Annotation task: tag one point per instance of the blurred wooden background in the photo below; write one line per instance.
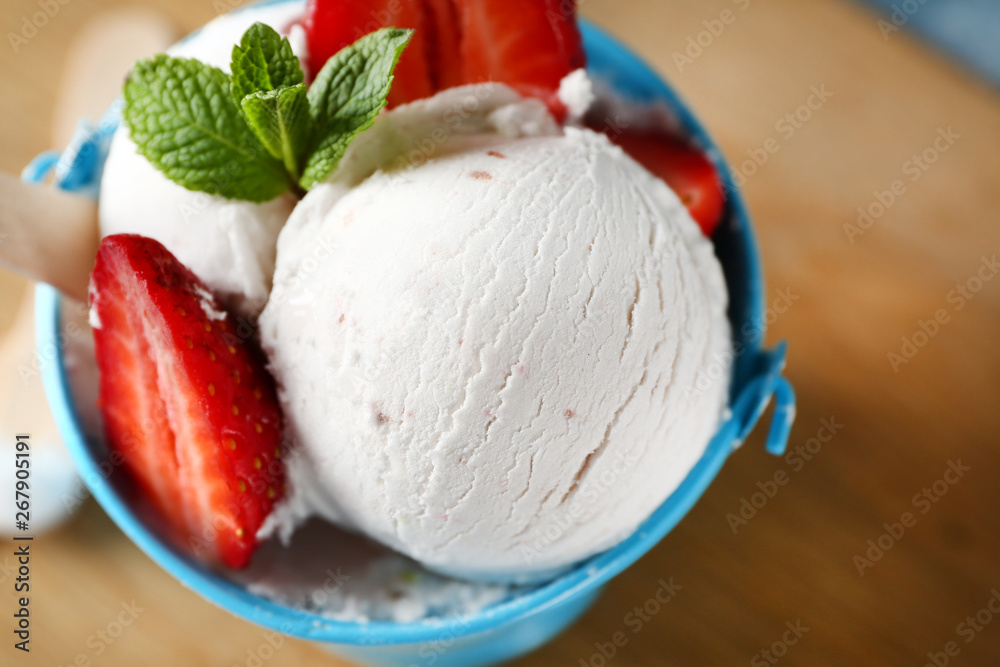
(854, 297)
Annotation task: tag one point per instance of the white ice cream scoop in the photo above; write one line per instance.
(488, 353)
(228, 244)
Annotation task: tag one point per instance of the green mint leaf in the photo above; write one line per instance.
(263, 61)
(181, 115)
(347, 96)
(280, 119)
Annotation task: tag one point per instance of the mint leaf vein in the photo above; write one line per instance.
(280, 119)
(263, 61)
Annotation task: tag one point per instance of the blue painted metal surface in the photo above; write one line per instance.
(526, 621)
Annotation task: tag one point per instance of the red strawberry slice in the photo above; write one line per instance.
(187, 404)
(331, 25)
(687, 170)
(444, 56)
(528, 44)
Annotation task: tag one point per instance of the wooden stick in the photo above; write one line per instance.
(48, 235)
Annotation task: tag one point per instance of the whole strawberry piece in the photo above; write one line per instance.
(187, 404)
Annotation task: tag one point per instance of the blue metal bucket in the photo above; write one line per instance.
(529, 620)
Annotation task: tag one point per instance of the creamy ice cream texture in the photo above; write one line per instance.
(487, 332)
(228, 244)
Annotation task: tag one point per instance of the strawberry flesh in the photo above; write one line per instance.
(528, 44)
(443, 44)
(331, 25)
(687, 170)
(186, 402)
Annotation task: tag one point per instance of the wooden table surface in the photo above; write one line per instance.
(855, 291)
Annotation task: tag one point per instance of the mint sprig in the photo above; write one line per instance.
(280, 119)
(181, 116)
(348, 95)
(259, 132)
(263, 61)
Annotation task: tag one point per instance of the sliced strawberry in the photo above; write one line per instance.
(330, 25)
(529, 44)
(443, 38)
(186, 402)
(687, 170)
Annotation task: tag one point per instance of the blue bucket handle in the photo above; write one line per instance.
(768, 383)
(79, 167)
